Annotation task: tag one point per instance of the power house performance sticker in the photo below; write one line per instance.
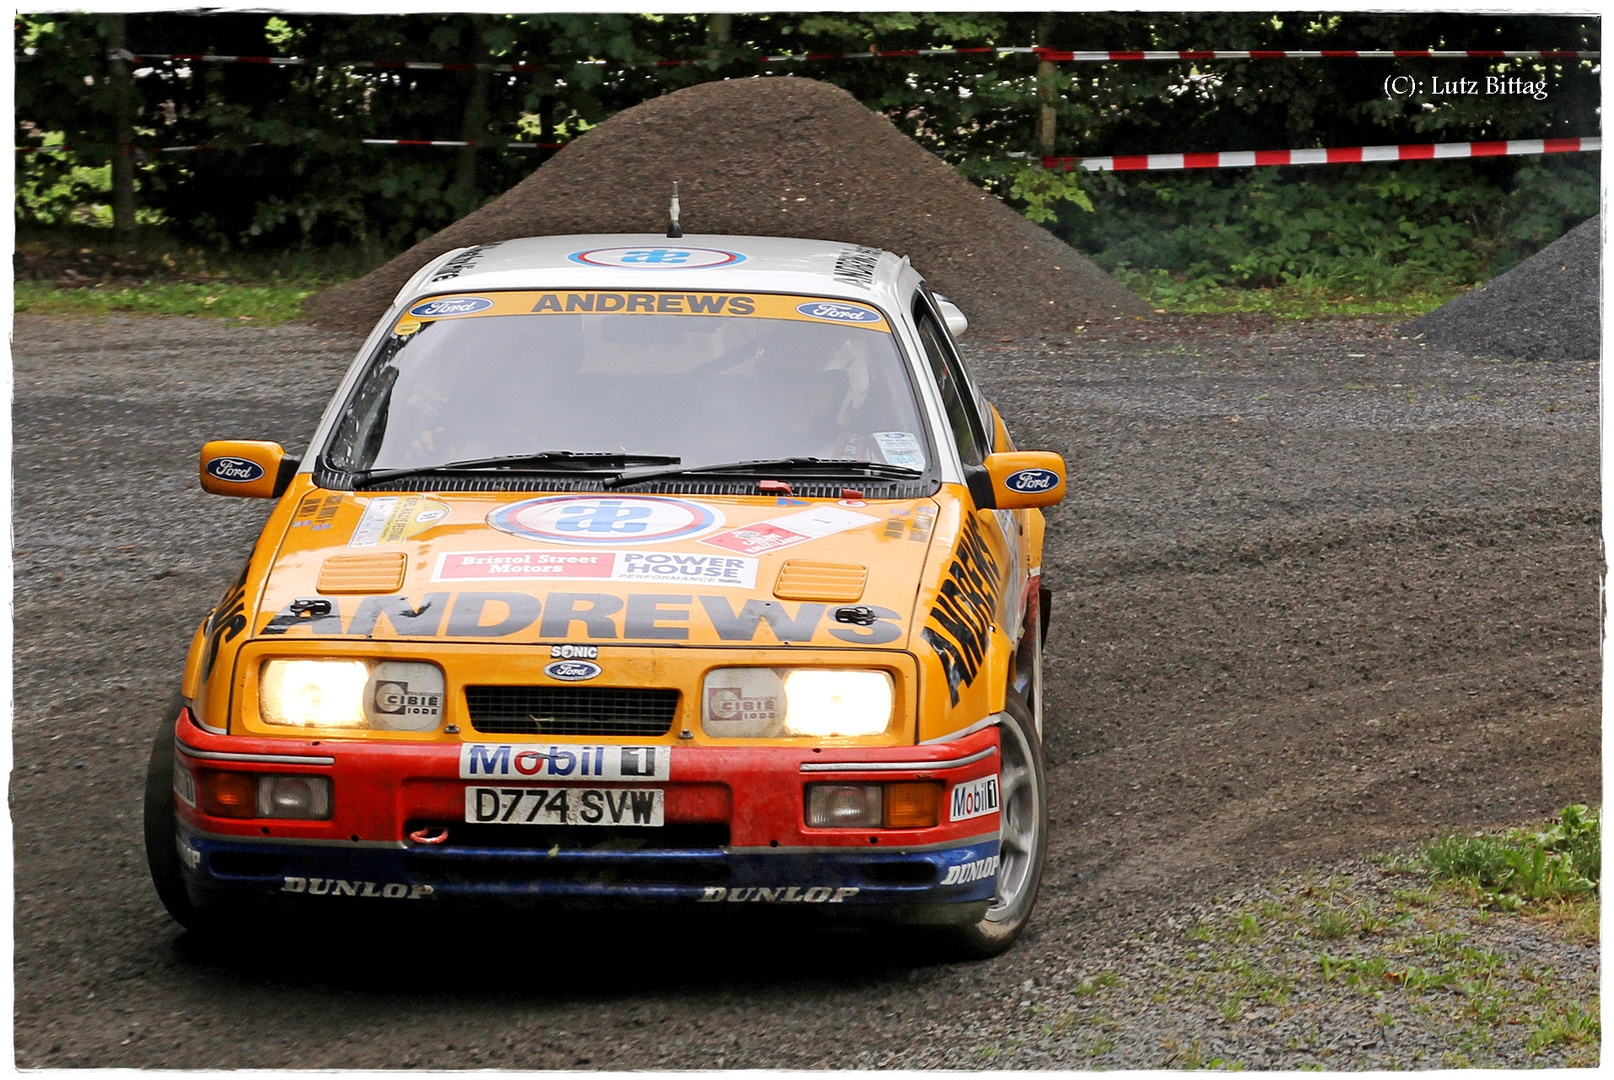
(621, 519)
(644, 567)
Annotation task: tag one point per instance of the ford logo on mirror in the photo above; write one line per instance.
(234, 470)
(1031, 481)
(450, 305)
(572, 670)
(822, 309)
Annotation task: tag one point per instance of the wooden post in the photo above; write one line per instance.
(123, 161)
(1047, 114)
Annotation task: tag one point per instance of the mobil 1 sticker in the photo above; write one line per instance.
(565, 761)
(975, 798)
(565, 806)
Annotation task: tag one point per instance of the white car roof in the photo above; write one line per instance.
(647, 261)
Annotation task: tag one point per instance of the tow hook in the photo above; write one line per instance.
(860, 615)
(431, 834)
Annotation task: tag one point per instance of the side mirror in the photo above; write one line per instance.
(246, 469)
(1019, 480)
(952, 316)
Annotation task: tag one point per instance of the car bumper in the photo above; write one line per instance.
(734, 833)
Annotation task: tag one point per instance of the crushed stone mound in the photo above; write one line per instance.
(781, 156)
(1546, 308)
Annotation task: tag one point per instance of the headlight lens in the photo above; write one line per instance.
(389, 695)
(764, 703)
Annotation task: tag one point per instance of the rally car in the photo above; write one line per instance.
(624, 570)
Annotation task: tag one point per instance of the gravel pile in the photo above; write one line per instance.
(1546, 308)
(779, 156)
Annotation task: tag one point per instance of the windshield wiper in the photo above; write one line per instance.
(545, 461)
(830, 467)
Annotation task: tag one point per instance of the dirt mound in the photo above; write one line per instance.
(781, 157)
(1546, 308)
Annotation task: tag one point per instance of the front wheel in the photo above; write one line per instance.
(1022, 841)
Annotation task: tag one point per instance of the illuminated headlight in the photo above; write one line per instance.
(762, 703)
(388, 695)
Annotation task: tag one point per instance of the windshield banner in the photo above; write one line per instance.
(622, 302)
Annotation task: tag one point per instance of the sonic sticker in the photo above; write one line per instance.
(657, 258)
(621, 519)
(447, 306)
(234, 470)
(1032, 481)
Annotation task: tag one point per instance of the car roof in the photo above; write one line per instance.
(648, 261)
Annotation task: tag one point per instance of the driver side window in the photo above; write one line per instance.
(968, 432)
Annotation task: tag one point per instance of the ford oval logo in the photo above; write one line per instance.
(572, 670)
(823, 309)
(234, 470)
(450, 305)
(1031, 481)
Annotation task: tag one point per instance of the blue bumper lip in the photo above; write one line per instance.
(220, 868)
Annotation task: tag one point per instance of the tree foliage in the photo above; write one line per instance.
(291, 168)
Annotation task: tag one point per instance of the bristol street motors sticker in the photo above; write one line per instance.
(649, 567)
(392, 519)
(789, 530)
(620, 519)
(657, 258)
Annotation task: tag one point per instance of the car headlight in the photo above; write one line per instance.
(386, 695)
(763, 703)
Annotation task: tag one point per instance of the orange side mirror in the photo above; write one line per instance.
(1023, 479)
(246, 468)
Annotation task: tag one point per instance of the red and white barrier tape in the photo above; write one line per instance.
(1058, 55)
(1332, 156)
(1054, 55)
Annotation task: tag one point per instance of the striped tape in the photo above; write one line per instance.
(1053, 55)
(1062, 56)
(1333, 156)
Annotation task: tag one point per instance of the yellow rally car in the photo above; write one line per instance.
(628, 570)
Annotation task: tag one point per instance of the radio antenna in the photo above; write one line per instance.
(674, 230)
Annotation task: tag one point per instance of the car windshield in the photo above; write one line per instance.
(463, 379)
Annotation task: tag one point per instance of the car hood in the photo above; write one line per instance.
(516, 568)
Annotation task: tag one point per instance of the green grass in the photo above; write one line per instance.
(1301, 300)
(262, 305)
(1561, 862)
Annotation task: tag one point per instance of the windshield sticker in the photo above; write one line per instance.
(393, 519)
(651, 567)
(448, 306)
(789, 530)
(832, 312)
(900, 448)
(624, 302)
(657, 258)
(624, 519)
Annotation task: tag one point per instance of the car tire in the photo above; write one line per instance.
(162, 854)
(1023, 841)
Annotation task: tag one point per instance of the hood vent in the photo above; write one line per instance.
(381, 573)
(828, 582)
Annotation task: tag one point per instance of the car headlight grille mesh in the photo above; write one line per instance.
(571, 710)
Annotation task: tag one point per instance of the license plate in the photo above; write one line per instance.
(564, 806)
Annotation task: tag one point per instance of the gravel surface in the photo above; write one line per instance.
(777, 156)
(1546, 308)
(1319, 591)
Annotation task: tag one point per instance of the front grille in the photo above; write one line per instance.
(571, 710)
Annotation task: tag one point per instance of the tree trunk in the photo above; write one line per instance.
(123, 161)
(1047, 114)
(474, 126)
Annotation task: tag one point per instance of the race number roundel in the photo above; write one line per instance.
(619, 519)
(657, 258)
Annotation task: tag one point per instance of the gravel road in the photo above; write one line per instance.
(1319, 591)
